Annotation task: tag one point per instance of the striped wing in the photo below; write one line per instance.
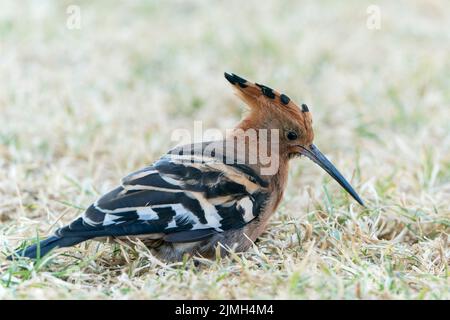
(182, 197)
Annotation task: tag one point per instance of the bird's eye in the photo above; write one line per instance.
(292, 135)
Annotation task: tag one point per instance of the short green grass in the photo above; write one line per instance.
(81, 108)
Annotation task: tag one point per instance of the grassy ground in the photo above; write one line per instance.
(81, 108)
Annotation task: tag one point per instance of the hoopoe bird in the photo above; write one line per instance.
(203, 195)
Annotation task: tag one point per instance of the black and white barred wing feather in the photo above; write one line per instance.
(177, 193)
(180, 198)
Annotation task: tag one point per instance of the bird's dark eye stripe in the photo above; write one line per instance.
(284, 98)
(292, 135)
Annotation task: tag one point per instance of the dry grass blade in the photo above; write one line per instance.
(80, 108)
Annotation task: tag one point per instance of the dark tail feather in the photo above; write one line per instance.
(46, 245)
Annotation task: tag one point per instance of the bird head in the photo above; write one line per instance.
(270, 110)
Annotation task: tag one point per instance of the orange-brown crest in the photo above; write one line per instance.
(270, 109)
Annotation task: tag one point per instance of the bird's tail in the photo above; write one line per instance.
(45, 246)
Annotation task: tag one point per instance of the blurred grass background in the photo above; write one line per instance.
(81, 108)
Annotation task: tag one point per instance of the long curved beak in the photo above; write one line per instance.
(313, 153)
